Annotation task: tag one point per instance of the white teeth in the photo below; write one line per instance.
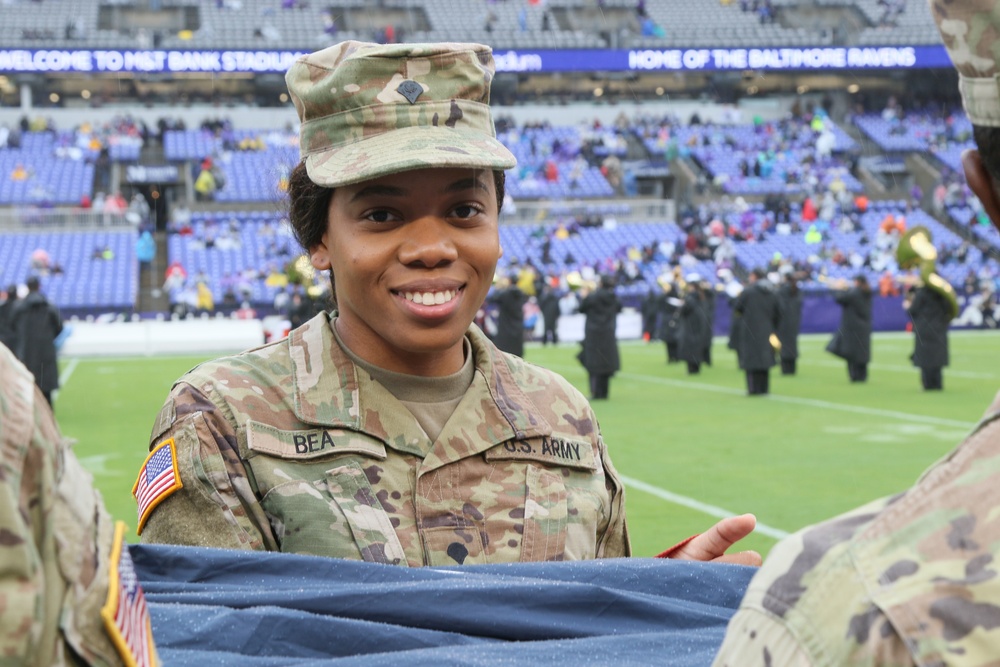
(429, 298)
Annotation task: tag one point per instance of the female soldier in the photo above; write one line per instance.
(392, 430)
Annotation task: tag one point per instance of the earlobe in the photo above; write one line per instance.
(982, 184)
(319, 258)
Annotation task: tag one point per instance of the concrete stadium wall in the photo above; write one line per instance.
(279, 117)
(149, 338)
(570, 327)
(224, 336)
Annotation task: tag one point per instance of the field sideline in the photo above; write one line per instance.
(689, 448)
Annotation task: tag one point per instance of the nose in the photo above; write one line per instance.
(428, 243)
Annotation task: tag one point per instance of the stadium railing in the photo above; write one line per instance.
(19, 218)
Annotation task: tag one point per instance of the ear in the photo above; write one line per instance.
(501, 252)
(982, 184)
(319, 256)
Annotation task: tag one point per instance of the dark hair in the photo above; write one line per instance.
(309, 208)
(759, 273)
(32, 283)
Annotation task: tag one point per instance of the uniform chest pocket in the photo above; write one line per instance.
(564, 484)
(314, 488)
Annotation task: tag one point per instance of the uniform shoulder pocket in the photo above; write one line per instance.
(309, 443)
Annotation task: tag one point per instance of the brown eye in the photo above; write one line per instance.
(466, 211)
(380, 215)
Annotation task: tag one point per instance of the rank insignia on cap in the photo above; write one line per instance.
(411, 90)
(125, 614)
(158, 478)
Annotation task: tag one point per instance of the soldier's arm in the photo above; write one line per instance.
(214, 503)
(612, 536)
(57, 537)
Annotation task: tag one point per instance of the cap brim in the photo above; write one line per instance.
(405, 149)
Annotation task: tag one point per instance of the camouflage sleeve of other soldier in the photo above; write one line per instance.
(55, 538)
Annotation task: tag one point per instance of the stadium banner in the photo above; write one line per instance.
(22, 61)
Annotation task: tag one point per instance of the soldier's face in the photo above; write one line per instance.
(413, 256)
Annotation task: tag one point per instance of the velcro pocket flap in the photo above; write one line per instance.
(549, 450)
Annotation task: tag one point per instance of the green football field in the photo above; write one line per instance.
(689, 448)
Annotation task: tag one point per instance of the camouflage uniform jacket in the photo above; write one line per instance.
(55, 537)
(906, 580)
(290, 447)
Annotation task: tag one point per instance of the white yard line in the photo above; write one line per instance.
(68, 372)
(973, 375)
(697, 505)
(875, 412)
(812, 402)
(721, 513)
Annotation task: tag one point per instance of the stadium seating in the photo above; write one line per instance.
(251, 244)
(916, 132)
(253, 161)
(968, 218)
(865, 242)
(85, 283)
(782, 150)
(560, 165)
(253, 24)
(262, 243)
(50, 180)
(252, 175)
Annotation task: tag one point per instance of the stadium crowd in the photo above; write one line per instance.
(788, 200)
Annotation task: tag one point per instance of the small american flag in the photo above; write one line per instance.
(157, 479)
(126, 616)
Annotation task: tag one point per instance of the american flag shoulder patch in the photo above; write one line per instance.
(158, 478)
(125, 614)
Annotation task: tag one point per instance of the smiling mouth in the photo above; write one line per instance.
(430, 298)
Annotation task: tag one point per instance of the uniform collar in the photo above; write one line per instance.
(329, 391)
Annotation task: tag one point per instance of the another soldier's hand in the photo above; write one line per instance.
(713, 543)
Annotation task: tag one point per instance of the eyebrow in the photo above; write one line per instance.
(467, 184)
(380, 190)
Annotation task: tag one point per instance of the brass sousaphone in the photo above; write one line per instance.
(916, 250)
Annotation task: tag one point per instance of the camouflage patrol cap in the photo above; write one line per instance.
(369, 110)
(971, 33)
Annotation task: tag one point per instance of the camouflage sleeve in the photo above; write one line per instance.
(754, 638)
(55, 537)
(83, 532)
(216, 504)
(809, 605)
(848, 630)
(612, 538)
